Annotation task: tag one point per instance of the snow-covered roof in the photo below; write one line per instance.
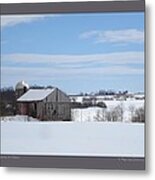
(139, 95)
(35, 95)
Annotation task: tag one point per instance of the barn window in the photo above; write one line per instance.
(50, 106)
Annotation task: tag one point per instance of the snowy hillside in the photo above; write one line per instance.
(27, 136)
(89, 114)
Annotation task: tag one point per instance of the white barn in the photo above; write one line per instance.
(45, 104)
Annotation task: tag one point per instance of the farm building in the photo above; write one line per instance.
(89, 100)
(139, 96)
(21, 88)
(45, 104)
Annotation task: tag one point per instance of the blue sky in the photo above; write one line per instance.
(75, 52)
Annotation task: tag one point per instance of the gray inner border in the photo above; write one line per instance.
(73, 162)
(73, 7)
(79, 162)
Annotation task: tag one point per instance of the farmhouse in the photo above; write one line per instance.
(139, 96)
(45, 104)
(89, 100)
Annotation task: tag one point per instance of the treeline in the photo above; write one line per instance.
(7, 101)
(116, 114)
(104, 92)
(111, 92)
(40, 87)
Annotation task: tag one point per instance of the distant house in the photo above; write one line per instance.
(89, 100)
(101, 98)
(139, 96)
(120, 97)
(45, 104)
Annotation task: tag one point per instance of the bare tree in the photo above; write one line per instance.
(139, 115)
(108, 116)
(115, 114)
(100, 115)
(97, 117)
(103, 112)
(119, 110)
(132, 111)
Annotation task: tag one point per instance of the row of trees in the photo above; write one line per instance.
(104, 92)
(137, 115)
(110, 92)
(40, 87)
(116, 114)
(7, 101)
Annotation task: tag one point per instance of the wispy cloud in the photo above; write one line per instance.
(12, 20)
(115, 36)
(34, 67)
(45, 67)
(109, 58)
(9, 73)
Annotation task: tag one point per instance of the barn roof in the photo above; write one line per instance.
(35, 95)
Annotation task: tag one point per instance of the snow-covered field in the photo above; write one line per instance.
(73, 138)
(23, 135)
(20, 118)
(89, 114)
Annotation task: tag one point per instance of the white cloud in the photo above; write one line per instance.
(45, 67)
(115, 36)
(89, 34)
(8, 73)
(109, 58)
(42, 67)
(11, 20)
